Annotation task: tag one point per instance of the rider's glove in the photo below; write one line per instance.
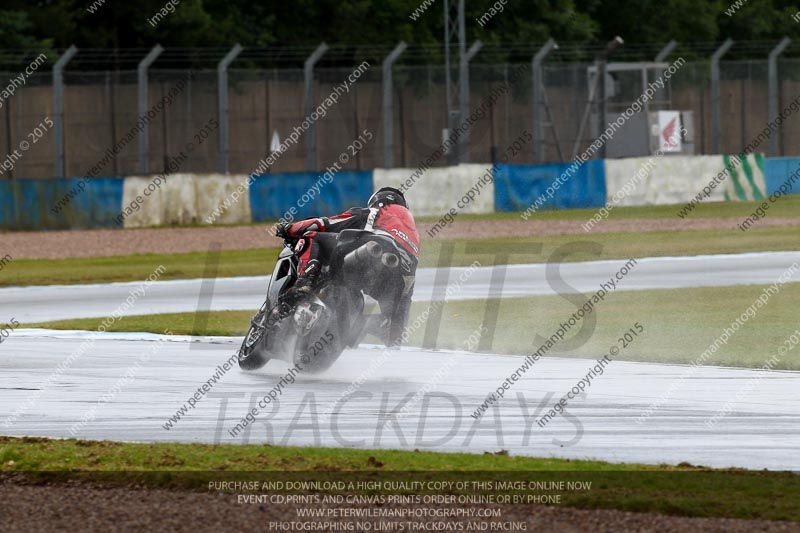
(282, 231)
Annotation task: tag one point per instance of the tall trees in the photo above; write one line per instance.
(195, 23)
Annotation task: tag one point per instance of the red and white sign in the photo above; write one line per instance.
(669, 128)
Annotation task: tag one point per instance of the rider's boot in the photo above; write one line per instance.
(374, 325)
(307, 280)
(302, 287)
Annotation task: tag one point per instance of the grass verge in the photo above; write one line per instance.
(786, 206)
(684, 490)
(434, 253)
(138, 267)
(679, 325)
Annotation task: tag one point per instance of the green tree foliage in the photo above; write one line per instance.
(17, 31)
(658, 21)
(203, 23)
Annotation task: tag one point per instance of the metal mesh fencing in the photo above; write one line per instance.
(101, 115)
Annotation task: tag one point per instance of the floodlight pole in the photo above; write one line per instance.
(454, 28)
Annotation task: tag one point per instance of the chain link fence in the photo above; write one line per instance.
(100, 111)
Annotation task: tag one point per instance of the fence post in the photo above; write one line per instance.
(58, 109)
(666, 51)
(308, 75)
(222, 106)
(536, 96)
(463, 98)
(388, 115)
(602, 65)
(715, 134)
(144, 136)
(774, 89)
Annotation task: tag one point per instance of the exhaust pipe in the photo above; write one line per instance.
(373, 249)
(370, 253)
(390, 260)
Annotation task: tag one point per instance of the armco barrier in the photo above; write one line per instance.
(301, 195)
(517, 187)
(33, 204)
(778, 169)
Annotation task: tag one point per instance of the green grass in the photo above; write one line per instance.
(53, 455)
(787, 206)
(679, 325)
(135, 267)
(610, 246)
(434, 253)
(224, 323)
(684, 490)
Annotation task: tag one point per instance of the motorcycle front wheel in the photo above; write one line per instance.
(251, 353)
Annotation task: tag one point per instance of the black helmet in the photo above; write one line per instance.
(386, 196)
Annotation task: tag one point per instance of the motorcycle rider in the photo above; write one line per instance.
(386, 214)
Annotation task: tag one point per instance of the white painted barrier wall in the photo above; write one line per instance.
(190, 198)
(678, 179)
(439, 189)
(184, 199)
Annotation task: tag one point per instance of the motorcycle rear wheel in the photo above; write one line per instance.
(316, 350)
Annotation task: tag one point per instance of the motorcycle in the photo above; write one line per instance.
(314, 332)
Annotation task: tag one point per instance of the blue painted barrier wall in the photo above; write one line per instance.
(778, 169)
(32, 204)
(517, 187)
(272, 195)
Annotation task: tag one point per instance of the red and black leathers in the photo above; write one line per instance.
(391, 220)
